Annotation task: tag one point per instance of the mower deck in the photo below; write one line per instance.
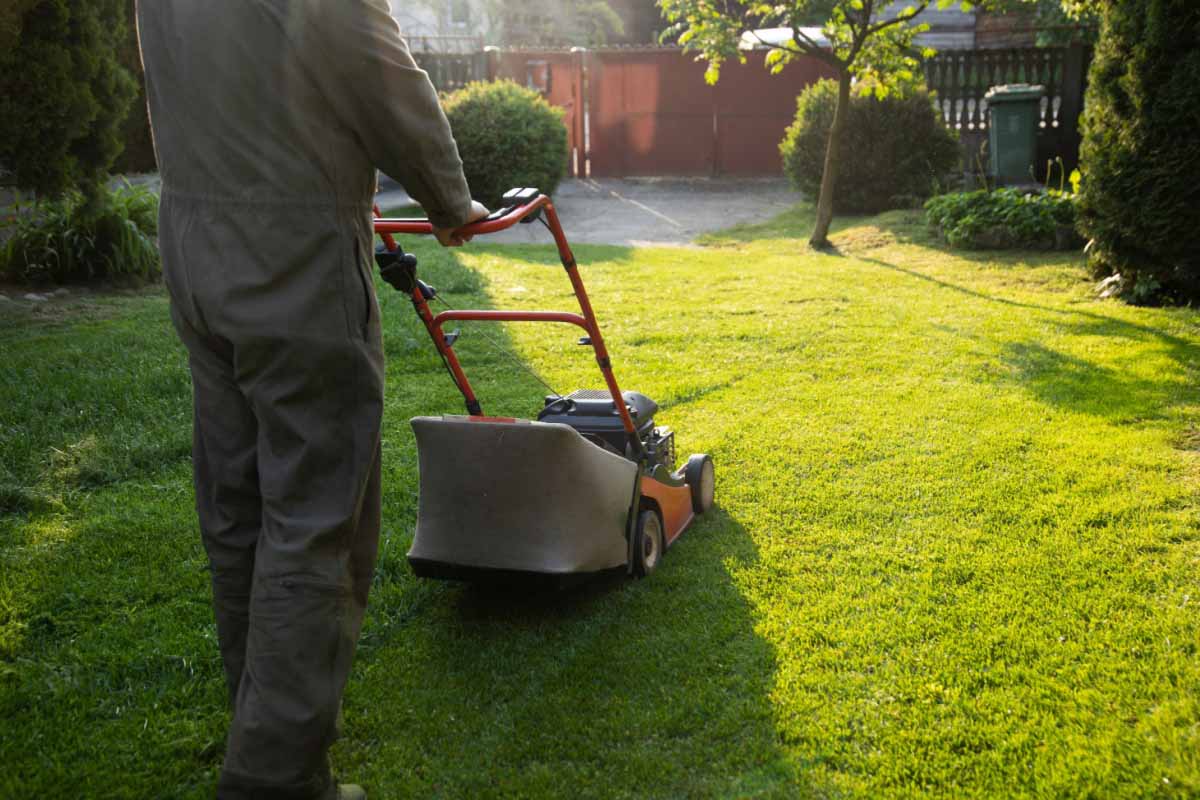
(590, 486)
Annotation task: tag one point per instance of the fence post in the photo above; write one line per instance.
(1074, 79)
(491, 56)
(579, 111)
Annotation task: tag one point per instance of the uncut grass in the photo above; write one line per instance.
(954, 554)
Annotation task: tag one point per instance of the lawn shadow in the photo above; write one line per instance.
(1068, 381)
(664, 676)
(88, 401)
(529, 690)
(911, 226)
(105, 619)
(547, 254)
(695, 393)
(107, 650)
(457, 689)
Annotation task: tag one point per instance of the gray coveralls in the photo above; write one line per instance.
(269, 119)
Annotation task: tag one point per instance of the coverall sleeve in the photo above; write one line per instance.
(375, 87)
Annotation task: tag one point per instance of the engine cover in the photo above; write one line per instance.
(593, 413)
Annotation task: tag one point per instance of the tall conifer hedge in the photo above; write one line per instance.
(1140, 157)
(63, 93)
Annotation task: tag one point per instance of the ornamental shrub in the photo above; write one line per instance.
(895, 151)
(508, 136)
(73, 239)
(63, 93)
(1140, 201)
(1005, 219)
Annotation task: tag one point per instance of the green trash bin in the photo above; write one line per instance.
(1014, 112)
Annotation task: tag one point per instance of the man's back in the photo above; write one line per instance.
(292, 102)
(269, 118)
(245, 118)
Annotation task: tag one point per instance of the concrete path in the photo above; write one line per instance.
(633, 211)
(648, 211)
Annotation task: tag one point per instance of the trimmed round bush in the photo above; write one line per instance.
(895, 151)
(1140, 197)
(508, 136)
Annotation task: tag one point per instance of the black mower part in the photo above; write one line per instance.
(648, 544)
(592, 413)
(701, 479)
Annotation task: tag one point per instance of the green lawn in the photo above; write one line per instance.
(956, 550)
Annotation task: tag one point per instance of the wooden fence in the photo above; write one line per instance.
(451, 61)
(961, 78)
(751, 109)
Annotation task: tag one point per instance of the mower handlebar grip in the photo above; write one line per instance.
(498, 220)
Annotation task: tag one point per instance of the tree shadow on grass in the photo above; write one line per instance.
(856, 235)
(1068, 381)
(1057, 378)
(615, 688)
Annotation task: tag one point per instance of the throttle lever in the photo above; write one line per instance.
(514, 199)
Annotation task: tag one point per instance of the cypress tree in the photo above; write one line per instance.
(63, 93)
(1140, 156)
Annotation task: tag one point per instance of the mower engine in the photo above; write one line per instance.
(593, 413)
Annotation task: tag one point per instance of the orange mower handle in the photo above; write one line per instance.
(530, 204)
(496, 221)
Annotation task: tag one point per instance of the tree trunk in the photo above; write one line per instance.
(829, 175)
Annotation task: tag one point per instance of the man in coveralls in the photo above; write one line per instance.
(269, 119)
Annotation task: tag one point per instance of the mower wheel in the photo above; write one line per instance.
(701, 479)
(648, 547)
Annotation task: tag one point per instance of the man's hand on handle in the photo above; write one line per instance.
(448, 237)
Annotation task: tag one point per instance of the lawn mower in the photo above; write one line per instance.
(590, 485)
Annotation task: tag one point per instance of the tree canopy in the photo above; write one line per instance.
(868, 40)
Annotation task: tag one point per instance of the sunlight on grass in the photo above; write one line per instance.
(925, 450)
(956, 550)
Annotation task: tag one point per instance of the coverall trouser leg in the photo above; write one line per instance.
(287, 475)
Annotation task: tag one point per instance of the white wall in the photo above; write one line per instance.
(440, 17)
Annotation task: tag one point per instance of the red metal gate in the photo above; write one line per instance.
(559, 76)
(650, 112)
(753, 108)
